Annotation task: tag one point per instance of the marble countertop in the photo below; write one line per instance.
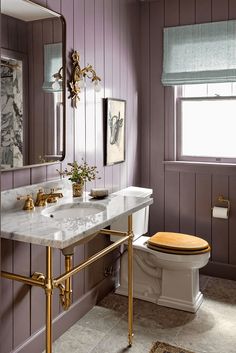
(36, 228)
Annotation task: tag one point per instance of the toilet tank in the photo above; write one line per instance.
(140, 218)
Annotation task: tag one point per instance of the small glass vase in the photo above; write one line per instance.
(78, 189)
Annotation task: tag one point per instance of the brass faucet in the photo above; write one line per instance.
(53, 196)
(29, 203)
(42, 198)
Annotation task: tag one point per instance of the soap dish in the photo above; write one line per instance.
(99, 193)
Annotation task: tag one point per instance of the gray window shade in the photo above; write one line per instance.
(201, 53)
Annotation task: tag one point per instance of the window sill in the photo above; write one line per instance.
(205, 167)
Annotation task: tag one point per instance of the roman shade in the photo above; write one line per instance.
(201, 53)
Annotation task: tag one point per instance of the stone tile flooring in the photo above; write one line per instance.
(104, 329)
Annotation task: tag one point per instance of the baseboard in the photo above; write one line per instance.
(36, 342)
(218, 269)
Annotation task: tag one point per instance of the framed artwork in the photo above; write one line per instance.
(114, 130)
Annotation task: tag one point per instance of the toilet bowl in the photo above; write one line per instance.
(166, 265)
(165, 278)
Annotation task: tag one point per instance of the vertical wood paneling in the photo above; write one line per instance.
(232, 221)
(99, 63)
(38, 175)
(12, 30)
(203, 11)
(123, 80)
(144, 129)
(171, 13)
(187, 203)
(108, 71)
(203, 206)
(157, 119)
(38, 96)
(38, 264)
(172, 18)
(79, 113)
(79, 132)
(220, 241)
(172, 181)
(6, 333)
(6, 180)
(90, 95)
(21, 294)
(232, 9)
(115, 75)
(4, 34)
(21, 177)
(54, 5)
(67, 10)
(220, 10)
(187, 12)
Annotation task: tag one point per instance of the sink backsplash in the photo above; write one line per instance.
(9, 197)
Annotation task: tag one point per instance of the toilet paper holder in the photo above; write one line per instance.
(224, 203)
(221, 199)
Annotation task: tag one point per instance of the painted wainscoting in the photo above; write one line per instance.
(184, 194)
(103, 32)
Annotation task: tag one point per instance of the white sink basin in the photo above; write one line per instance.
(73, 210)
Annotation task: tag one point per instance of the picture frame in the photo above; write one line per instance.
(114, 131)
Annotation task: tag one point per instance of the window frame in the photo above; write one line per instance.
(178, 134)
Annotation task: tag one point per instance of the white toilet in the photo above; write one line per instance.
(166, 266)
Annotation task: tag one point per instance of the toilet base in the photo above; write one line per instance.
(180, 290)
(181, 304)
(176, 287)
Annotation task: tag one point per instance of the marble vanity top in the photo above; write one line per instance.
(36, 228)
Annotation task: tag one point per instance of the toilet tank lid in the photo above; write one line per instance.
(134, 191)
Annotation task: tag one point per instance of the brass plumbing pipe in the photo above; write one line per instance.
(130, 281)
(114, 232)
(66, 288)
(23, 279)
(48, 293)
(88, 262)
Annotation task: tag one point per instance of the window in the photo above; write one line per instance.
(206, 122)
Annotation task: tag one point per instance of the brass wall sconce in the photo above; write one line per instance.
(78, 77)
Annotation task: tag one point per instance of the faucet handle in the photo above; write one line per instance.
(53, 195)
(29, 203)
(40, 198)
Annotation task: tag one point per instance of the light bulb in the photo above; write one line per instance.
(97, 86)
(56, 85)
(81, 83)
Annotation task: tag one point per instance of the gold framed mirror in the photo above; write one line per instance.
(33, 85)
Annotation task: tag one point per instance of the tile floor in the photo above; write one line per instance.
(104, 329)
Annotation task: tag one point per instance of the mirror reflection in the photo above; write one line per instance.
(32, 86)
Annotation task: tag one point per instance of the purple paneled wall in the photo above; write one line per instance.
(184, 194)
(103, 32)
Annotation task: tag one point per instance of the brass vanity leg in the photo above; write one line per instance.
(48, 292)
(68, 282)
(130, 281)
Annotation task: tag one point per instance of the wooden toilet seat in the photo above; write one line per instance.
(178, 243)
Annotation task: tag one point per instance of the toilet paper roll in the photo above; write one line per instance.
(220, 212)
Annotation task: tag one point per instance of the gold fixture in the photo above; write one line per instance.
(42, 199)
(48, 283)
(78, 76)
(53, 196)
(221, 199)
(29, 203)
